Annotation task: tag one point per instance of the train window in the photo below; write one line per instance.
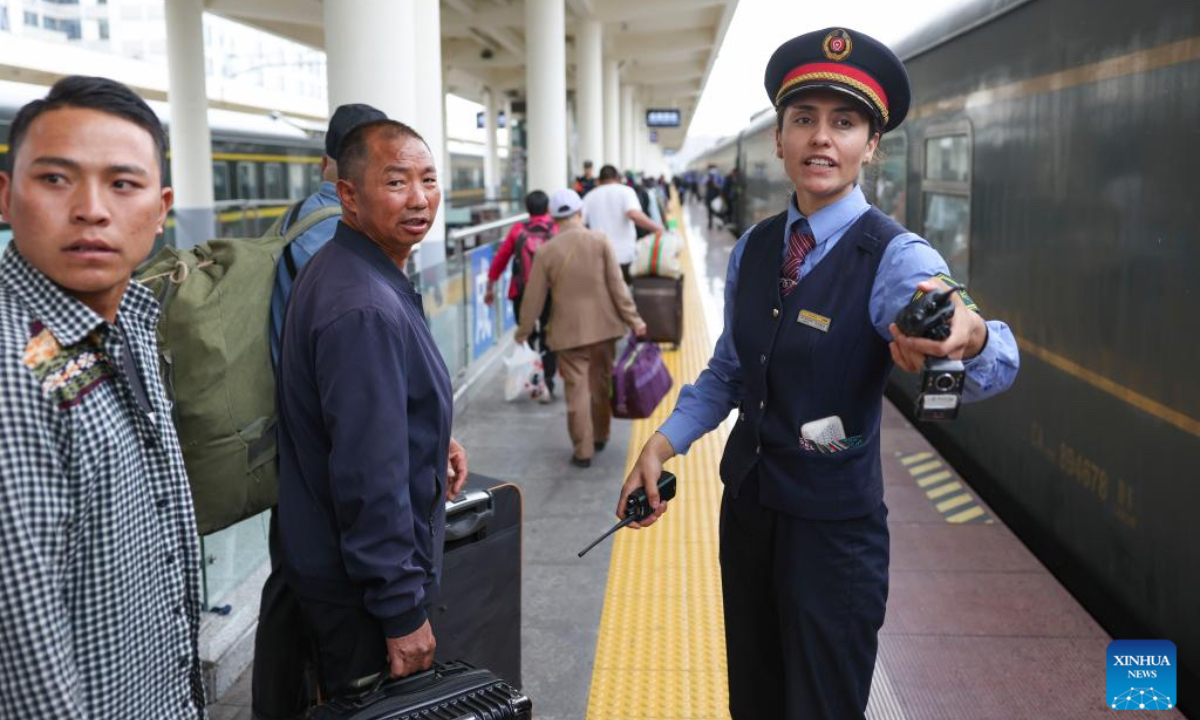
(947, 158)
(220, 181)
(314, 177)
(892, 182)
(297, 181)
(947, 228)
(247, 181)
(273, 181)
(946, 195)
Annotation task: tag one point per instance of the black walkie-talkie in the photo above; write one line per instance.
(637, 506)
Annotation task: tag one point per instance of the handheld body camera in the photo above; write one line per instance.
(942, 378)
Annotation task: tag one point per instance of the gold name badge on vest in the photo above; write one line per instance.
(813, 320)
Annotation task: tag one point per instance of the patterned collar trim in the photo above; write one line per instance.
(68, 319)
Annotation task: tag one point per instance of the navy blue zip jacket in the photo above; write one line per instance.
(365, 409)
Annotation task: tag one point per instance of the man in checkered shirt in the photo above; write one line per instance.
(99, 556)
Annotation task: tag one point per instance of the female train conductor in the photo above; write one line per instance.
(808, 341)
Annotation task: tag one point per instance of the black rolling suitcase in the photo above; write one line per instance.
(477, 616)
(449, 691)
(659, 301)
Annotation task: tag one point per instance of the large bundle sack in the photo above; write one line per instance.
(215, 357)
(658, 256)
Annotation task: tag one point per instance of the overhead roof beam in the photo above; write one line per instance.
(582, 8)
(613, 11)
(509, 16)
(291, 12)
(507, 39)
(653, 45)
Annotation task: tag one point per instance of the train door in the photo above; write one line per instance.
(946, 194)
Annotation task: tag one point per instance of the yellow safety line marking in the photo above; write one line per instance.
(262, 212)
(965, 515)
(924, 467)
(255, 157)
(934, 478)
(915, 458)
(1136, 63)
(661, 646)
(1162, 412)
(956, 501)
(941, 490)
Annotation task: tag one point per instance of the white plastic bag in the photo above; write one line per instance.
(524, 377)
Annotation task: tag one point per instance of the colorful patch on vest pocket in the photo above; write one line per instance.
(67, 374)
(813, 320)
(833, 447)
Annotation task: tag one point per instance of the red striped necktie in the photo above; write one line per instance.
(799, 244)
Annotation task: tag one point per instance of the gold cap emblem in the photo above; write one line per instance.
(838, 45)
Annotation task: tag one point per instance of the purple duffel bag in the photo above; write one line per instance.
(640, 380)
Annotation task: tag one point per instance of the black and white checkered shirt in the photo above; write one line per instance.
(99, 556)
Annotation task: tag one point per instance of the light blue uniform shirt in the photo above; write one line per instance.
(907, 261)
(303, 248)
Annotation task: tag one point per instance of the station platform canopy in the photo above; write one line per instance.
(666, 47)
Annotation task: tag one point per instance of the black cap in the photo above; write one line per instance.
(345, 119)
(845, 61)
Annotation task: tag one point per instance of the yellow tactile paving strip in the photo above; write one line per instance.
(661, 649)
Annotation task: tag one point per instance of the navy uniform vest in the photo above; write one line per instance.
(793, 373)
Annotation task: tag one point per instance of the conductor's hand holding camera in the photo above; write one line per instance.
(968, 335)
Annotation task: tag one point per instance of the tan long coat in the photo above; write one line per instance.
(590, 303)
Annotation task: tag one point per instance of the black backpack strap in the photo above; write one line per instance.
(289, 262)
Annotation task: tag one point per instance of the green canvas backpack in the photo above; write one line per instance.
(214, 353)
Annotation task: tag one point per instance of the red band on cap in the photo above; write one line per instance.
(837, 72)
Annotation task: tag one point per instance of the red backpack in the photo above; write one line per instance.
(528, 241)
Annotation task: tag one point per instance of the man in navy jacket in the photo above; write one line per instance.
(365, 408)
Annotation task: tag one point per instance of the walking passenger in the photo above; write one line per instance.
(613, 209)
(591, 308)
(519, 246)
(809, 300)
(586, 182)
(99, 554)
(364, 423)
(278, 687)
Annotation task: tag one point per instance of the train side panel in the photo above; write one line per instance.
(1080, 128)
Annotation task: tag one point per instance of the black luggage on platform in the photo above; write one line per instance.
(477, 617)
(659, 301)
(450, 691)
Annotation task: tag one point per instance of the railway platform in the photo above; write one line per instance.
(976, 627)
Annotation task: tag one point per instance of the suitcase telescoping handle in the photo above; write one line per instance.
(469, 514)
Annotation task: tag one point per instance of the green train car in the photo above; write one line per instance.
(1047, 156)
(260, 164)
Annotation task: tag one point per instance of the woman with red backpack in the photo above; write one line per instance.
(519, 245)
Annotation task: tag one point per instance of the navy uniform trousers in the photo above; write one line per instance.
(804, 601)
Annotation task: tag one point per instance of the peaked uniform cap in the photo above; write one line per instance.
(844, 61)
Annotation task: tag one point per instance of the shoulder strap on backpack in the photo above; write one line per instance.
(297, 228)
(290, 217)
